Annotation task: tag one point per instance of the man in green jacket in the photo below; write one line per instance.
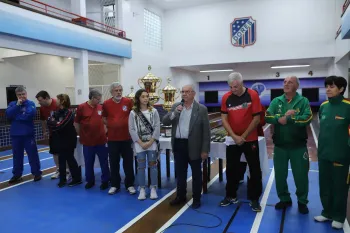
(290, 114)
(334, 152)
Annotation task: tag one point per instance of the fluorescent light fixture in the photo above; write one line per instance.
(292, 66)
(69, 58)
(211, 71)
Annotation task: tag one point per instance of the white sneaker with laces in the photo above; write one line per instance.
(142, 195)
(337, 225)
(321, 218)
(55, 175)
(132, 190)
(153, 193)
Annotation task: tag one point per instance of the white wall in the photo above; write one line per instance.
(142, 56)
(94, 10)
(62, 4)
(36, 72)
(289, 29)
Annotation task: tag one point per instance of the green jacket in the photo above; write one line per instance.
(294, 133)
(333, 139)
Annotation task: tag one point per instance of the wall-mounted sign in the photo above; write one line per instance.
(243, 32)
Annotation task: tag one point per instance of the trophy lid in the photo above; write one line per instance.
(169, 87)
(150, 77)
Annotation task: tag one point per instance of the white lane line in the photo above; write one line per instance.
(25, 154)
(346, 226)
(23, 164)
(259, 215)
(185, 207)
(15, 185)
(129, 224)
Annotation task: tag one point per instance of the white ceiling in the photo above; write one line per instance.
(174, 4)
(313, 62)
(8, 53)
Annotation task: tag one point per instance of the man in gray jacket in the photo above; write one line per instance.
(190, 142)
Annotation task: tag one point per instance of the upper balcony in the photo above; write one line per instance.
(36, 20)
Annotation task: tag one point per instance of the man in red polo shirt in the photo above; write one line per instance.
(47, 107)
(115, 114)
(92, 135)
(240, 113)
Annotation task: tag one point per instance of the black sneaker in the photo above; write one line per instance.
(228, 201)
(283, 205)
(89, 185)
(255, 206)
(303, 208)
(61, 184)
(74, 183)
(104, 185)
(196, 204)
(178, 201)
(37, 178)
(15, 179)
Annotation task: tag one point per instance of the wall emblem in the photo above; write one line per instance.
(243, 32)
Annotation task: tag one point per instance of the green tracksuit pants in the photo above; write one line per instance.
(334, 188)
(299, 161)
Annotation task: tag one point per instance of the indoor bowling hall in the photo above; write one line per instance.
(174, 116)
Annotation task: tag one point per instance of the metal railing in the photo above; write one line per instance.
(69, 16)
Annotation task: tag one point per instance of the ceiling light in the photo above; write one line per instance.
(69, 58)
(292, 66)
(210, 71)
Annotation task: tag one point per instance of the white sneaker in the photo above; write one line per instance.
(337, 225)
(56, 175)
(153, 193)
(68, 175)
(321, 218)
(142, 195)
(132, 190)
(113, 190)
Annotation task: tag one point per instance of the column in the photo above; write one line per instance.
(81, 78)
(341, 68)
(78, 7)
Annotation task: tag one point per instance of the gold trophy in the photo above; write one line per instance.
(131, 96)
(150, 85)
(169, 99)
(169, 95)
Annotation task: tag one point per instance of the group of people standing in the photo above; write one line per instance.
(121, 128)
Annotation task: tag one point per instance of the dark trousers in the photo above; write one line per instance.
(182, 160)
(68, 157)
(19, 143)
(233, 171)
(90, 153)
(123, 149)
(242, 168)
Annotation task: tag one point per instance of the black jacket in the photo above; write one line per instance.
(63, 137)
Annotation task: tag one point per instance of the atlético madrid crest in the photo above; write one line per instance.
(243, 32)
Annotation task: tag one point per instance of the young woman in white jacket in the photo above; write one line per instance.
(144, 128)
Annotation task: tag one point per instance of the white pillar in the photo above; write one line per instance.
(341, 68)
(79, 7)
(81, 78)
(119, 14)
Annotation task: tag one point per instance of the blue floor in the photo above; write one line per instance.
(74, 210)
(9, 152)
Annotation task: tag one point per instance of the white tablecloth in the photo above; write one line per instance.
(217, 150)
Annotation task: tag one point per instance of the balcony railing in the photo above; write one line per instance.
(69, 16)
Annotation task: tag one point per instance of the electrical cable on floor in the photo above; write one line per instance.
(195, 225)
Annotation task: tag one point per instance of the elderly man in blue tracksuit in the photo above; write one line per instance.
(21, 114)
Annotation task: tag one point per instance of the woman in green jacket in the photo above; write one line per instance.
(334, 152)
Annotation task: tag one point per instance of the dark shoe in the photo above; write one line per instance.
(303, 208)
(178, 201)
(104, 185)
(89, 185)
(283, 205)
(196, 204)
(15, 179)
(61, 184)
(228, 201)
(74, 183)
(37, 178)
(255, 206)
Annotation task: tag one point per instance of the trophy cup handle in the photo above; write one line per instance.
(160, 94)
(178, 91)
(160, 83)
(138, 82)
